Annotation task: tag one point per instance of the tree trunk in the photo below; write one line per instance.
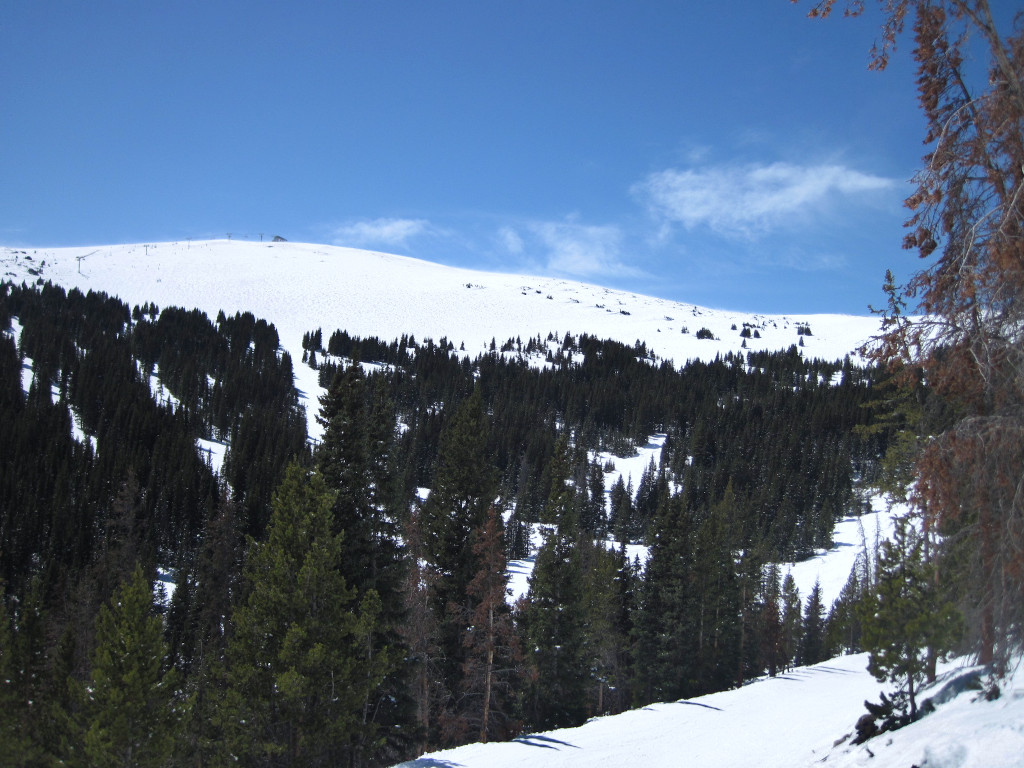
(488, 673)
(487, 696)
(913, 700)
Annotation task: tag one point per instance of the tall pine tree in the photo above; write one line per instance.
(131, 718)
(490, 673)
(465, 484)
(298, 678)
(355, 459)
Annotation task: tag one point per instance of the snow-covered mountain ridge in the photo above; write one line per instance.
(300, 286)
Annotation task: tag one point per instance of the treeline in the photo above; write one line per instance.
(326, 610)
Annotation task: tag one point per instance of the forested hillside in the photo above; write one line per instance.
(301, 571)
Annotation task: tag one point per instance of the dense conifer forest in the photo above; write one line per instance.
(326, 609)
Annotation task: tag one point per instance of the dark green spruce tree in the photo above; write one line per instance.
(811, 648)
(906, 616)
(555, 629)
(609, 583)
(199, 624)
(791, 621)
(770, 633)
(16, 744)
(718, 599)
(131, 718)
(666, 624)
(355, 459)
(297, 672)
(465, 485)
(554, 618)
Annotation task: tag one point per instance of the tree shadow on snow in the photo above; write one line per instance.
(531, 738)
(835, 670)
(698, 704)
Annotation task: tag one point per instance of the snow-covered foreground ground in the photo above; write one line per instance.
(790, 720)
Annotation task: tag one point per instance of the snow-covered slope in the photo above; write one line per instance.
(791, 720)
(297, 285)
(853, 538)
(300, 287)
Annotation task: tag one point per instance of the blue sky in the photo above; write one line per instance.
(734, 154)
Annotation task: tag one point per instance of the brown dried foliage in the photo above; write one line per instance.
(967, 223)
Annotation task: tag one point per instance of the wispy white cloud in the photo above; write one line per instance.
(749, 200)
(582, 250)
(510, 240)
(380, 233)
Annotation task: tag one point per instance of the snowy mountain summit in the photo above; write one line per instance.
(300, 287)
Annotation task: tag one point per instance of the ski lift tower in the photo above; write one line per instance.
(79, 259)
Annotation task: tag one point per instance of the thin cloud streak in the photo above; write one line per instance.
(582, 250)
(382, 232)
(751, 200)
(511, 240)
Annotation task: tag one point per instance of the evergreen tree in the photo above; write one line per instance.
(16, 746)
(490, 671)
(517, 537)
(811, 649)
(791, 621)
(623, 519)
(595, 517)
(653, 486)
(770, 623)
(558, 471)
(421, 636)
(666, 628)
(35, 705)
(464, 489)
(554, 625)
(843, 625)
(297, 674)
(206, 595)
(608, 593)
(718, 599)
(906, 615)
(131, 718)
(355, 461)
(752, 608)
